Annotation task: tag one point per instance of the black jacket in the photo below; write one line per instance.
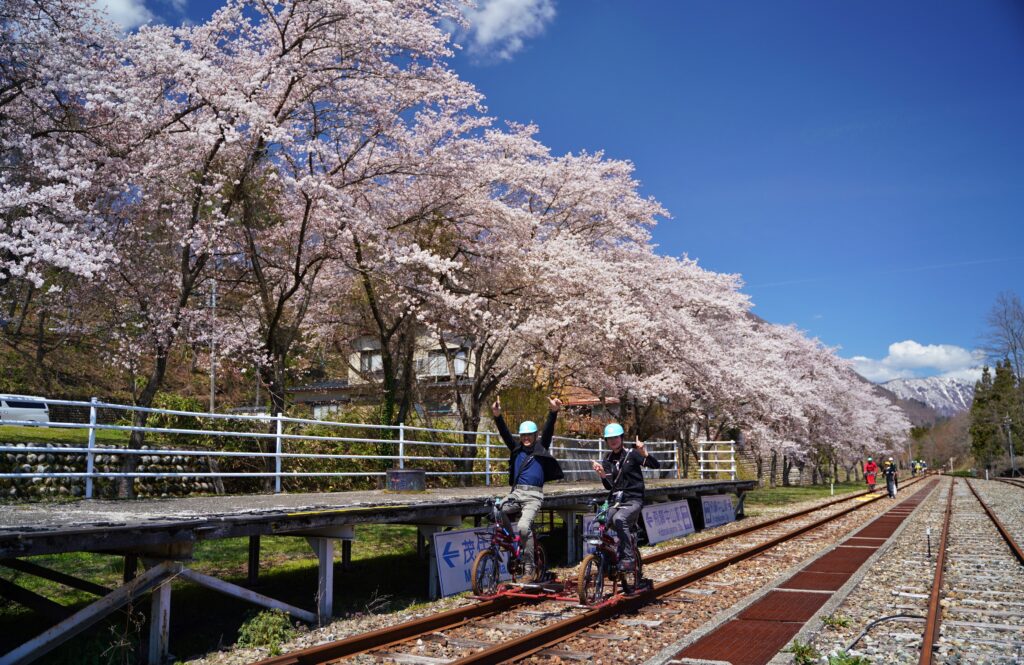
(539, 449)
(625, 472)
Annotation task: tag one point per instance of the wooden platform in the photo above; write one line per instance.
(28, 529)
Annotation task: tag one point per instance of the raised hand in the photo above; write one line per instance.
(640, 448)
(554, 404)
(496, 408)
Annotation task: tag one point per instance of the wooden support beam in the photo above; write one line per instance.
(254, 560)
(53, 611)
(346, 554)
(52, 638)
(324, 549)
(160, 624)
(36, 570)
(131, 564)
(245, 594)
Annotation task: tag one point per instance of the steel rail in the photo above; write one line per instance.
(404, 632)
(548, 636)
(1011, 543)
(383, 637)
(1016, 482)
(931, 627)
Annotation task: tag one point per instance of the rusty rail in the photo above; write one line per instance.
(1016, 482)
(384, 637)
(546, 637)
(931, 628)
(1014, 547)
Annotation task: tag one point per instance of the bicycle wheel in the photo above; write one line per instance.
(590, 587)
(631, 580)
(486, 573)
(540, 562)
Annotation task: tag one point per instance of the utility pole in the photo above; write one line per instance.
(213, 345)
(1009, 442)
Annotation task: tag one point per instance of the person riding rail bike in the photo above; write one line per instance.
(892, 479)
(621, 471)
(870, 474)
(530, 465)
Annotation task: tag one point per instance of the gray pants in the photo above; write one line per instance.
(530, 499)
(622, 518)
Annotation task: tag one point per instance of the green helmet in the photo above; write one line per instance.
(527, 427)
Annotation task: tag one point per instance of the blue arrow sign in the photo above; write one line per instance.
(448, 554)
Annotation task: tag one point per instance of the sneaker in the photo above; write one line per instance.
(529, 576)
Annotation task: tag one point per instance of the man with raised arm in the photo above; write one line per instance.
(621, 471)
(530, 465)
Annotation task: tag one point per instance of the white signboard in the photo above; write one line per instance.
(665, 521)
(718, 510)
(454, 552)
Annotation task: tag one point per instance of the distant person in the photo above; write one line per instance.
(530, 465)
(621, 472)
(916, 468)
(870, 473)
(891, 478)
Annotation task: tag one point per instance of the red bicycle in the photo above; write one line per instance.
(604, 562)
(486, 572)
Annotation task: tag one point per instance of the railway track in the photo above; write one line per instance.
(505, 628)
(1016, 482)
(975, 610)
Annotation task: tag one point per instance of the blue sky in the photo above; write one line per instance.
(860, 163)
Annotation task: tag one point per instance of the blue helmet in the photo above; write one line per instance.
(527, 427)
(613, 429)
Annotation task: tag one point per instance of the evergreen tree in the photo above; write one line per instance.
(997, 402)
(984, 429)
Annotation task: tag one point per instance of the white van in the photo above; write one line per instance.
(24, 407)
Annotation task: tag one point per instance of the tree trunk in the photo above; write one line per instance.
(126, 486)
(787, 466)
(774, 468)
(759, 461)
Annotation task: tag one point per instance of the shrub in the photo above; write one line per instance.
(804, 654)
(836, 621)
(269, 629)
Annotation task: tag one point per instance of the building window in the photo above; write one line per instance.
(370, 361)
(437, 364)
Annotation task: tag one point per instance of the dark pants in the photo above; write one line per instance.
(623, 517)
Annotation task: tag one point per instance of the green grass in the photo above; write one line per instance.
(779, 496)
(27, 434)
(386, 575)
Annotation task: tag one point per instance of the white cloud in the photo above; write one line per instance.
(126, 13)
(877, 371)
(909, 359)
(970, 374)
(499, 28)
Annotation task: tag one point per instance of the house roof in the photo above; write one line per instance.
(579, 396)
(320, 386)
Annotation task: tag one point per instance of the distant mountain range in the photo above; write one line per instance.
(944, 396)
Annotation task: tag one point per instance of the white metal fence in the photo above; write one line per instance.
(280, 446)
(717, 457)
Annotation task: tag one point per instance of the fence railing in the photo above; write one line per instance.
(717, 457)
(267, 447)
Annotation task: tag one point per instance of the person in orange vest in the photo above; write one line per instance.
(870, 471)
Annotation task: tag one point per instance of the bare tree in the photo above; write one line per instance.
(1005, 335)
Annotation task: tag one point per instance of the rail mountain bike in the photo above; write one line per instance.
(486, 571)
(603, 563)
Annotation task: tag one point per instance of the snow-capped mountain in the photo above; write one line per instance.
(946, 395)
